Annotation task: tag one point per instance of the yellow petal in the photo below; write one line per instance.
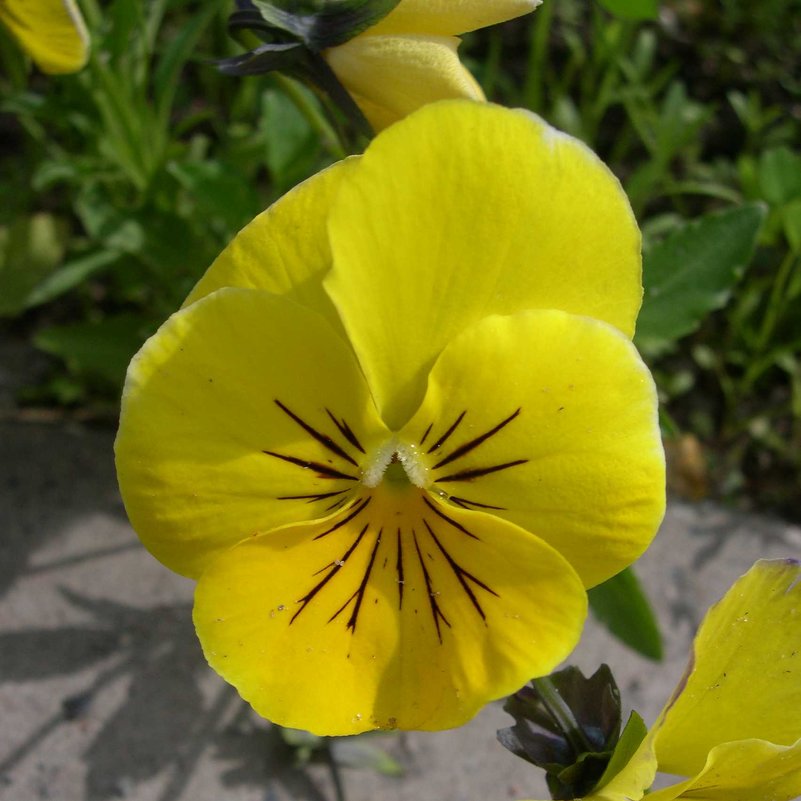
(464, 210)
(52, 32)
(285, 249)
(744, 680)
(450, 17)
(748, 770)
(392, 76)
(244, 412)
(399, 614)
(548, 420)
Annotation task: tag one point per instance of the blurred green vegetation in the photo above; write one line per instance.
(119, 186)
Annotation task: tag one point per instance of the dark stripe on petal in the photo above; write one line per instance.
(360, 505)
(462, 575)
(441, 441)
(323, 439)
(436, 612)
(478, 472)
(462, 450)
(346, 431)
(447, 519)
(323, 471)
(334, 569)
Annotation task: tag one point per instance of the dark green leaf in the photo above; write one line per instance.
(324, 23)
(98, 349)
(780, 175)
(692, 272)
(622, 606)
(632, 9)
(220, 191)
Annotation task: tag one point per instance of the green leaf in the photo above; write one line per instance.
(72, 274)
(292, 146)
(98, 349)
(630, 738)
(632, 9)
(780, 175)
(324, 23)
(174, 55)
(220, 191)
(622, 606)
(30, 249)
(692, 272)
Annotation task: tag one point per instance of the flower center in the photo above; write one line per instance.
(397, 463)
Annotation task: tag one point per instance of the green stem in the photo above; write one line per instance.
(562, 714)
(537, 55)
(776, 303)
(312, 113)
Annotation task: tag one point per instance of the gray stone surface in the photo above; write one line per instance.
(104, 693)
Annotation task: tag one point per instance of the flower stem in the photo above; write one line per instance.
(336, 775)
(562, 715)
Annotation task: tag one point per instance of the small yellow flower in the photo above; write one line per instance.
(400, 425)
(409, 58)
(732, 725)
(52, 32)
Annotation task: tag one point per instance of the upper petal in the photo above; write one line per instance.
(285, 249)
(392, 76)
(548, 420)
(450, 17)
(744, 678)
(51, 31)
(243, 412)
(398, 614)
(464, 210)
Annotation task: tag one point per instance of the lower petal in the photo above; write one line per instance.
(397, 615)
(747, 770)
(392, 76)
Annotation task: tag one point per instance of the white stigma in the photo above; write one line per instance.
(393, 450)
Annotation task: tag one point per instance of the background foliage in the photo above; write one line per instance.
(119, 185)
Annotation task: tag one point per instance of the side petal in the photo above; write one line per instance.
(743, 679)
(548, 420)
(747, 770)
(52, 32)
(450, 18)
(285, 249)
(391, 616)
(242, 413)
(389, 77)
(465, 210)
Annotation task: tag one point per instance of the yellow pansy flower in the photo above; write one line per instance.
(52, 32)
(410, 58)
(399, 425)
(732, 725)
